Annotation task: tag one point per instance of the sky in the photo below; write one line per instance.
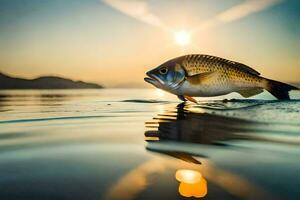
(114, 42)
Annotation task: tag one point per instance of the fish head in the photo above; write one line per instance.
(167, 76)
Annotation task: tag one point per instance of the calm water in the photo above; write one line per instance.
(132, 144)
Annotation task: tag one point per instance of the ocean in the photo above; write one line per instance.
(145, 144)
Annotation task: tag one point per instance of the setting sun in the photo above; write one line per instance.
(182, 38)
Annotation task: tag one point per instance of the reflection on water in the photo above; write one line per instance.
(193, 124)
(233, 149)
(195, 177)
(177, 133)
(188, 176)
(191, 183)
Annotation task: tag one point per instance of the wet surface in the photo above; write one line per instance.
(123, 144)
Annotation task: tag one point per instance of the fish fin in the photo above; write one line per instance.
(194, 70)
(250, 92)
(237, 65)
(191, 99)
(278, 89)
(246, 68)
(203, 77)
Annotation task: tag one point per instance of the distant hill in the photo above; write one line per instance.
(45, 82)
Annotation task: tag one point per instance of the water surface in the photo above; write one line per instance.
(132, 144)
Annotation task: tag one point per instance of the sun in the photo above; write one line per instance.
(182, 37)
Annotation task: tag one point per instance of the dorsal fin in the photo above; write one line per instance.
(245, 68)
(236, 64)
(194, 70)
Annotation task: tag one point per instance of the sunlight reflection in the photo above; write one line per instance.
(192, 183)
(188, 176)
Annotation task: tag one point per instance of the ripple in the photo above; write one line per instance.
(144, 101)
(52, 119)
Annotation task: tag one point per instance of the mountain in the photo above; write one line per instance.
(45, 82)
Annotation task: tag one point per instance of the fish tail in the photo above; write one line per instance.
(278, 89)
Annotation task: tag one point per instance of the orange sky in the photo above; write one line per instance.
(114, 43)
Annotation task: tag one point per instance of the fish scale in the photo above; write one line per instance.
(204, 75)
(196, 64)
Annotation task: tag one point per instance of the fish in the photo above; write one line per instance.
(200, 75)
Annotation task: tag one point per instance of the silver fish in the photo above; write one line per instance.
(205, 76)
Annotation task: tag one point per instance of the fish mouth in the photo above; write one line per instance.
(153, 80)
(150, 80)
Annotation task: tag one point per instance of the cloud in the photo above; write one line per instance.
(137, 9)
(246, 8)
(239, 11)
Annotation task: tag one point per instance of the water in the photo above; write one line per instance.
(132, 144)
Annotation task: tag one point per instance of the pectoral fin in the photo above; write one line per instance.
(187, 98)
(202, 78)
(191, 99)
(250, 92)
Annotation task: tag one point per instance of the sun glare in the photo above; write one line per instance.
(182, 38)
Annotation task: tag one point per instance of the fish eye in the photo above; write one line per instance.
(163, 70)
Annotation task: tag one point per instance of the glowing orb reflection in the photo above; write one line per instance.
(192, 183)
